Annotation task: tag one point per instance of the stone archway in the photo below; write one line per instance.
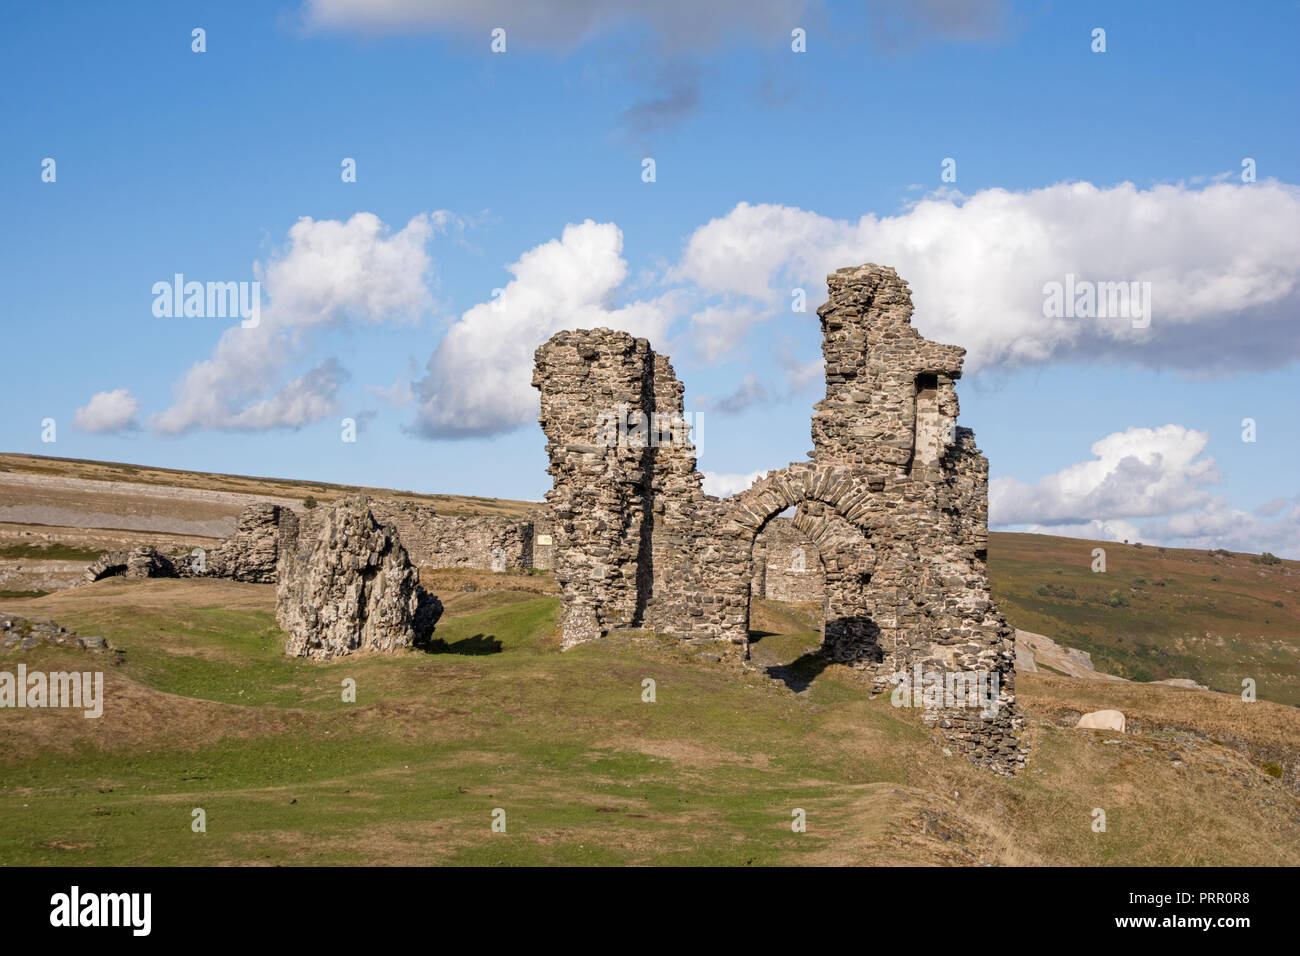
(826, 498)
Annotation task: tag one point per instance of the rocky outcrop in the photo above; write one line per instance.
(346, 584)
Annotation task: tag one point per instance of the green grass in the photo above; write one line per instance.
(49, 552)
(204, 711)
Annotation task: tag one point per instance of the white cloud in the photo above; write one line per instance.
(1269, 528)
(1110, 530)
(479, 378)
(563, 24)
(330, 273)
(1145, 484)
(724, 485)
(302, 401)
(107, 412)
(1135, 473)
(1223, 261)
(719, 330)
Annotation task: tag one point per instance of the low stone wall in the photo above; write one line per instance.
(453, 541)
(431, 540)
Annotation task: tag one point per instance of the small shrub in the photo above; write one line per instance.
(309, 502)
(1267, 558)
(1057, 591)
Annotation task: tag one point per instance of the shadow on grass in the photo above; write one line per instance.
(476, 646)
(799, 674)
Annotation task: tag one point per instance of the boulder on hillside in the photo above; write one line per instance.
(1102, 720)
(347, 584)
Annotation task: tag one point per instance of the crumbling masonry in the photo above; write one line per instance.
(894, 499)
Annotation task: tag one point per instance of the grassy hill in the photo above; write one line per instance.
(204, 711)
(1155, 613)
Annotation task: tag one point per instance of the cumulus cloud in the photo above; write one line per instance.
(328, 274)
(724, 485)
(1134, 473)
(479, 378)
(1273, 527)
(1153, 485)
(108, 412)
(1223, 263)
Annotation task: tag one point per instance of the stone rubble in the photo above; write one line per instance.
(25, 634)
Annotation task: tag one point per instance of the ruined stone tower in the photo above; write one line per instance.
(894, 500)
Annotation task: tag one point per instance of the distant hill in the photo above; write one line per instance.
(1217, 617)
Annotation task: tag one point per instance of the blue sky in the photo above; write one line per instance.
(766, 163)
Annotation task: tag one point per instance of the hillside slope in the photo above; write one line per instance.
(1156, 613)
(203, 710)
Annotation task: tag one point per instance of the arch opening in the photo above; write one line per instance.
(839, 607)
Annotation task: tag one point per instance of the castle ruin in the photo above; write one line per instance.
(894, 499)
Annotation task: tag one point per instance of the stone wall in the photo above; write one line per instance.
(626, 495)
(787, 565)
(431, 540)
(252, 552)
(543, 539)
(453, 541)
(894, 498)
